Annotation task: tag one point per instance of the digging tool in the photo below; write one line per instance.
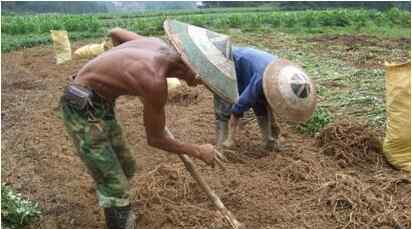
(210, 193)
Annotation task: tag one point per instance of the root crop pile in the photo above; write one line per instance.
(351, 143)
(171, 196)
(361, 201)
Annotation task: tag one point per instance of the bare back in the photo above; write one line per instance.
(139, 66)
(129, 69)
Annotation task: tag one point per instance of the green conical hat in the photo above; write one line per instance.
(208, 54)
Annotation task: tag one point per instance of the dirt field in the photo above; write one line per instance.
(302, 186)
(363, 51)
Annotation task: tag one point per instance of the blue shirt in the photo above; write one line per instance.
(250, 65)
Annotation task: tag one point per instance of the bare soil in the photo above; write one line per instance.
(299, 187)
(363, 51)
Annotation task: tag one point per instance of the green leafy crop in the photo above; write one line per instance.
(320, 118)
(15, 210)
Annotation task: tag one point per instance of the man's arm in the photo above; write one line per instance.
(119, 36)
(245, 101)
(248, 97)
(154, 121)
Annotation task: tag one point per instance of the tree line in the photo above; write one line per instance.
(80, 7)
(106, 6)
(303, 5)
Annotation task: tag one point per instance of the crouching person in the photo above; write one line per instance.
(269, 85)
(250, 65)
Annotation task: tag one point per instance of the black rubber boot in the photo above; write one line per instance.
(221, 131)
(120, 218)
(271, 136)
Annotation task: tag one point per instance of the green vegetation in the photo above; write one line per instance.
(28, 7)
(16, 212)
(319, 119)
(158, 13)
(36, 28)
(16, 25)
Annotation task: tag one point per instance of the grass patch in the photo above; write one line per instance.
(16, 211)
(386, 31)
(10, 43)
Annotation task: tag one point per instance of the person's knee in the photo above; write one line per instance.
(222, 110)
(129, 168)
(126, 160)
(222, 117)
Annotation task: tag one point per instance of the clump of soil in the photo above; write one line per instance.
(351, 143)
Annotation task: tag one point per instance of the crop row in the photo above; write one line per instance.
(148, 25)
(182, 12)
(44, 23)
(28, 31)
(254, 21)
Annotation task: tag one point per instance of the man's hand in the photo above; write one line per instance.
(206, 153)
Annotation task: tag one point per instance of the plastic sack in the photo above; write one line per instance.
(107, 44)
(172, 84)
(61, 46)
(89, 51)
(397, 143)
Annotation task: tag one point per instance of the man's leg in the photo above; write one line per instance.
(269, 129)
(94, 147)
(120, 217)
(120, 148)
(222, 115)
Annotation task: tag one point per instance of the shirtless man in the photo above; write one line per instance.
(136, 66)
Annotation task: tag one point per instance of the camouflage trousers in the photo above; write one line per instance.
(97, 138)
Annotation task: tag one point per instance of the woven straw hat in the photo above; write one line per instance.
(289, 91)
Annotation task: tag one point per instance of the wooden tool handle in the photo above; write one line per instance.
(210, 193)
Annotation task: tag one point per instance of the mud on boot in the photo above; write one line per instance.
(221, 132)
(270, 132)
(120, 218)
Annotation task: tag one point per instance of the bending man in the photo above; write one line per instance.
(136, 66)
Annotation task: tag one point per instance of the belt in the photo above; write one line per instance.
(84, 97)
